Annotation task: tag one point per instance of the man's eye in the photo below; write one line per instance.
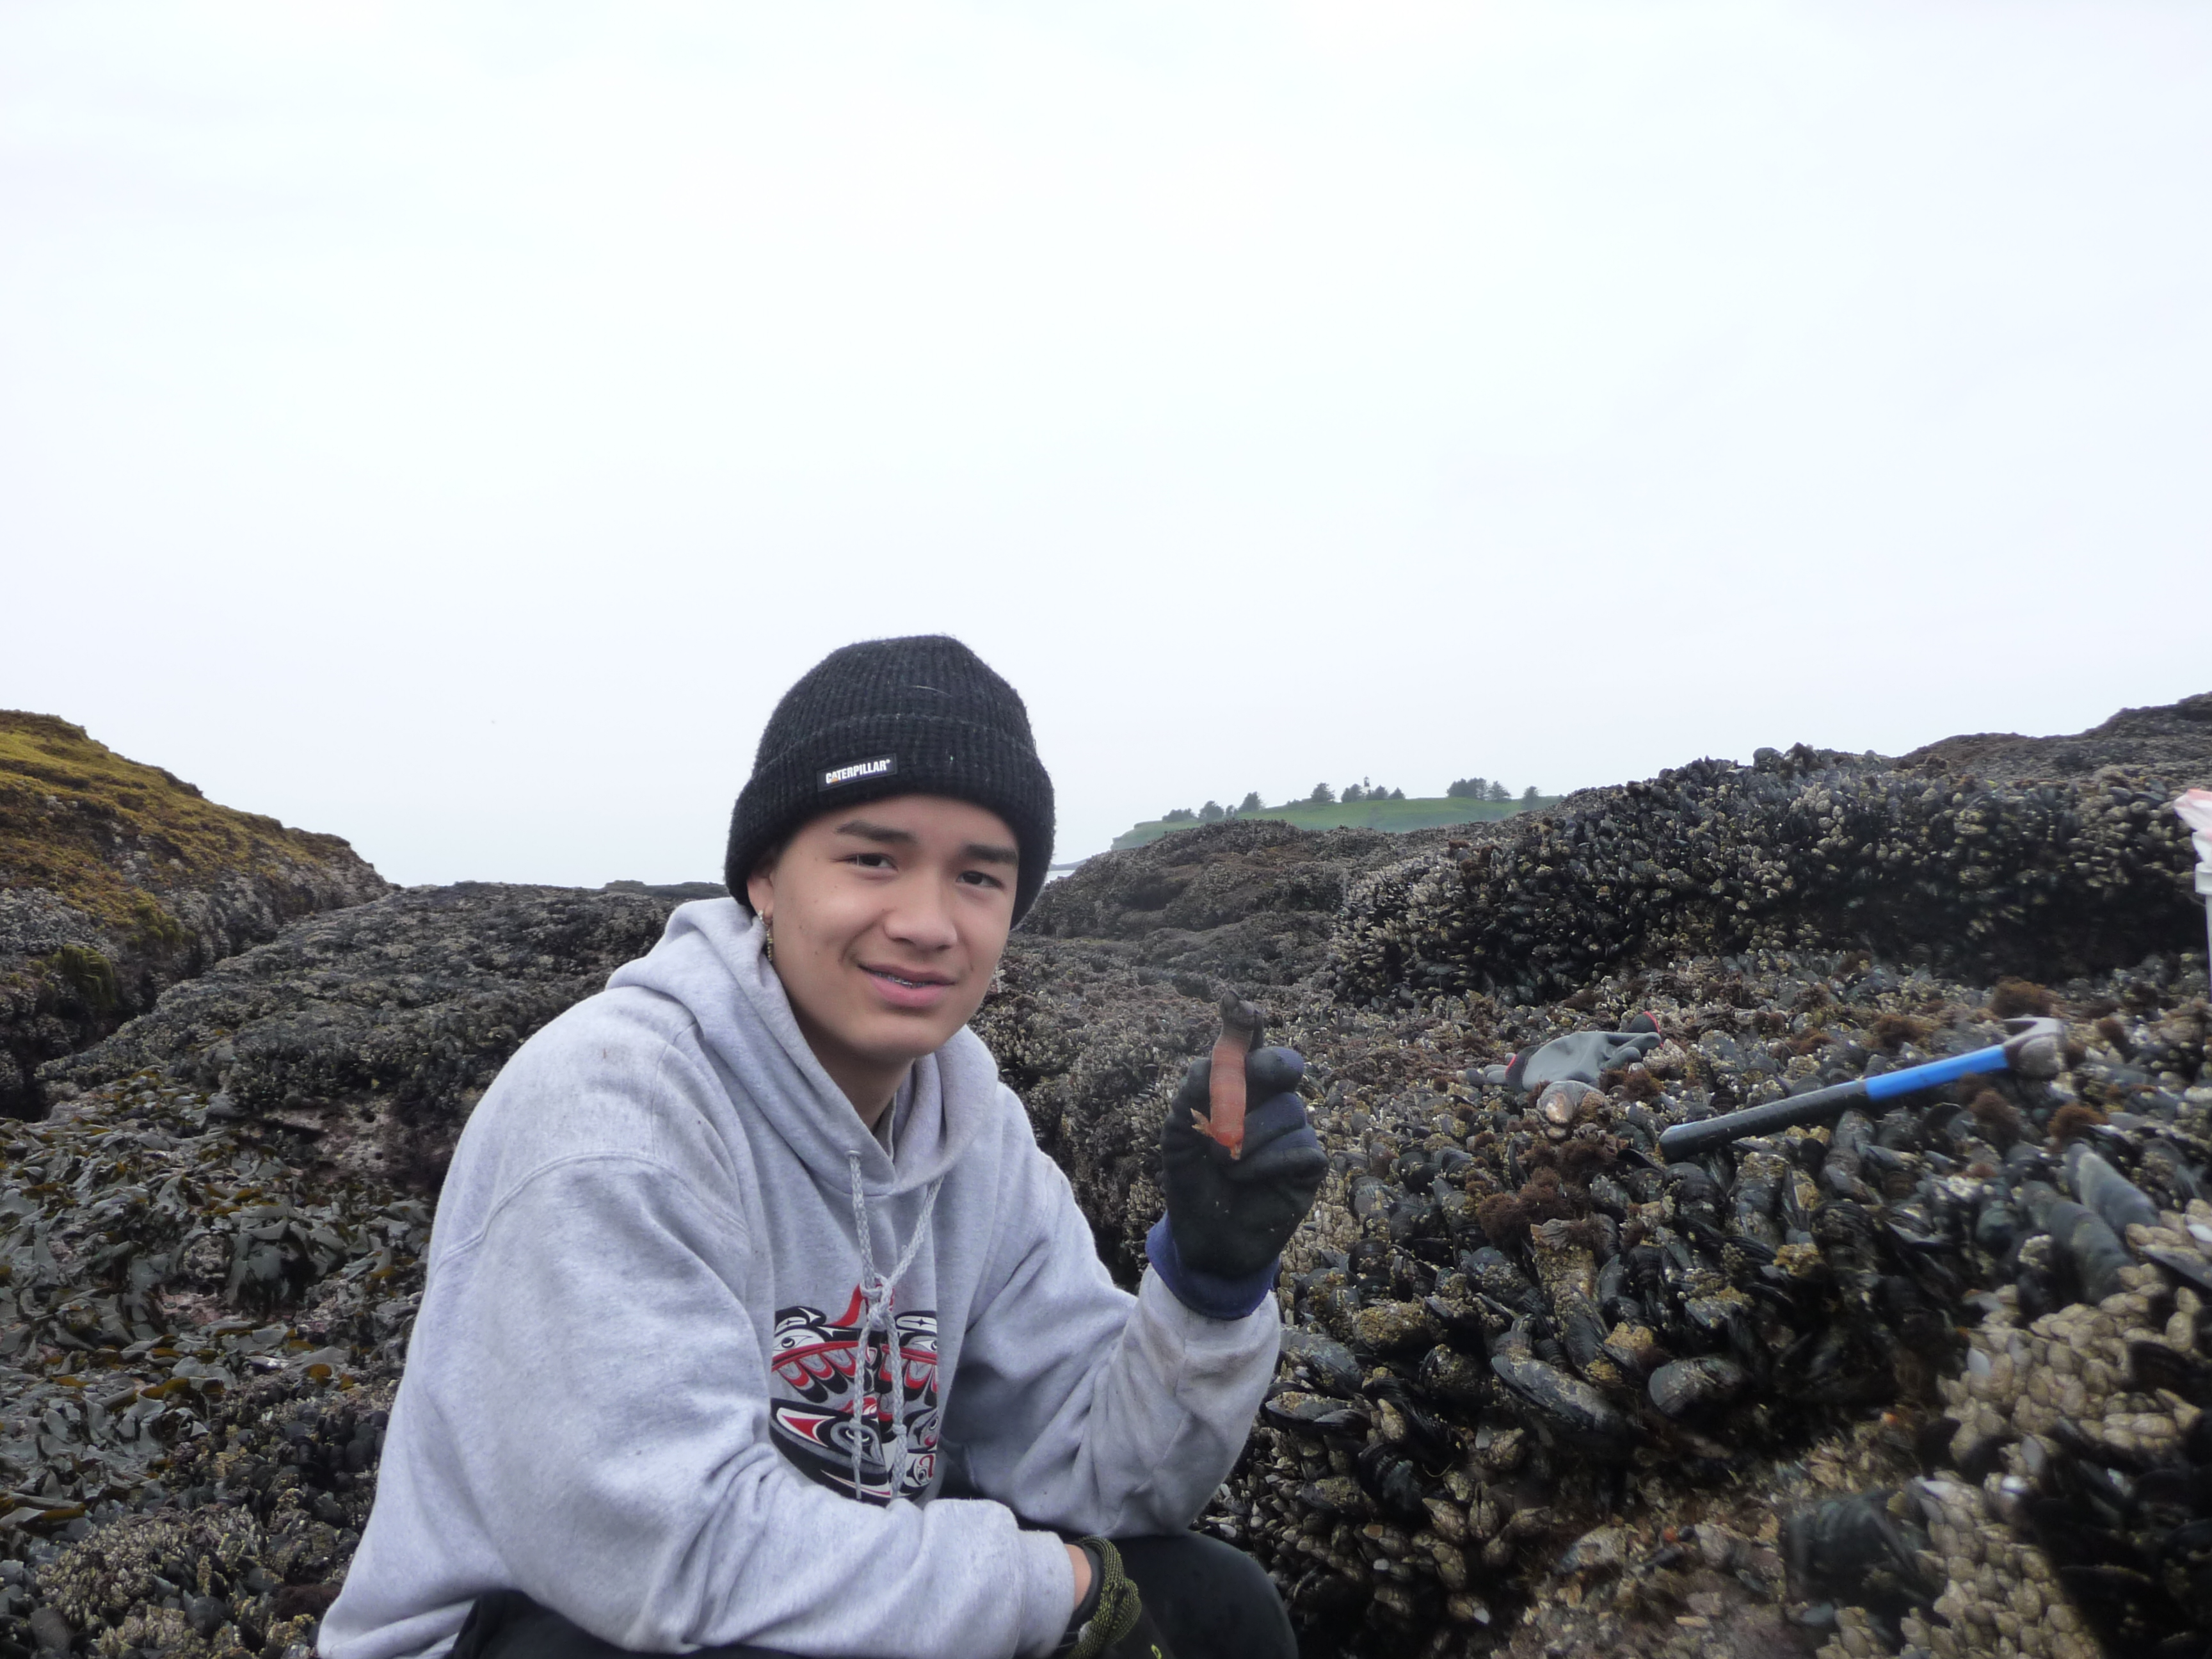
(872, 860)
(980, 879)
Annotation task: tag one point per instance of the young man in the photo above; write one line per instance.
(755, 1321)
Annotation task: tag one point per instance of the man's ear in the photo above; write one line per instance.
(760, 888)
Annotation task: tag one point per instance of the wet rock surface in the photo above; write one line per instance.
(374, 1030)
(1929, 1380)
(118, 880)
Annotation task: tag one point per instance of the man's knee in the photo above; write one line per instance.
(508, 1625)
(1208, 1598)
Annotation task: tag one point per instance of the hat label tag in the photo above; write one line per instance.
(882, 767)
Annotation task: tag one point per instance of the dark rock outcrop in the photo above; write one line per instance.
(118, 880)
(2172, 739)
(376, 1029)
(1805, 850)
(1253, 898)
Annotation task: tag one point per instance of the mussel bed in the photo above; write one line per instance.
(1926, 1380)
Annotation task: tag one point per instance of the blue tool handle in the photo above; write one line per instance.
(1688, 1139)
(1936, 1073)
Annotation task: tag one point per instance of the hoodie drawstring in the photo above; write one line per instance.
(876, 1309)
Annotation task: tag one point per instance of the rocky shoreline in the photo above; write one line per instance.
(1927, 1381)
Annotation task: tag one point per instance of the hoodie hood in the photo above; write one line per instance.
(710, 961)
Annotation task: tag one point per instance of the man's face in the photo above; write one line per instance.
(889, 920)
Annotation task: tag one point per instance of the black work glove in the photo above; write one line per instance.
(1228, 1218)
(1583, 1057)
(1110, 1622)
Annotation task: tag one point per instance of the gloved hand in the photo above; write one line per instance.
(1110, 1622)
(1582, 1056)
(1228, 1218)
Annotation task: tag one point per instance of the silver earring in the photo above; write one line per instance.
(768, 940)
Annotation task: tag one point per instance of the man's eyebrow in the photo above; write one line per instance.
(983, 852)
(869, 830)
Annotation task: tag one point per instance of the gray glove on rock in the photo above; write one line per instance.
(1580, 1057)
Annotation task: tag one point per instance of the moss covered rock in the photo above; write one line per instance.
(118, 879)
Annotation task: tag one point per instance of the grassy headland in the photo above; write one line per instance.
(118, 880)
(99, 831)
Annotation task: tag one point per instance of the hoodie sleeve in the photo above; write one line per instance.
(1085, 1408)
(584, 1421)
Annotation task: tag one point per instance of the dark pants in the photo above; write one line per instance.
(1211, 1602)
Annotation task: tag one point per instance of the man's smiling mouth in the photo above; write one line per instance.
(924, 981)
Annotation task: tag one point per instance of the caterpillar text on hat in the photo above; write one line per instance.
(882, 767)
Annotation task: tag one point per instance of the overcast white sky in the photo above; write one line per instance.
(452, 426)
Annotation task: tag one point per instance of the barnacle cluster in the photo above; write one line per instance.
(1799, 850)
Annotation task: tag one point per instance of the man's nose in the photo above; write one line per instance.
(922, 917)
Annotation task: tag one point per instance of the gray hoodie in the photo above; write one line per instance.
(682, 1306)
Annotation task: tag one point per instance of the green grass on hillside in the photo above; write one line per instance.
(1431, 812)
(71, 808)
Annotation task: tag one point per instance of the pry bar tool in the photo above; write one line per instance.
(2032, 1050)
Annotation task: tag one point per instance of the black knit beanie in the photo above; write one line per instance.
(918, 716)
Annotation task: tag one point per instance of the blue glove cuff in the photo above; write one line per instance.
(1206, 1293)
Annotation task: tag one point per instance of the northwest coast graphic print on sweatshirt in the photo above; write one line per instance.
(816, 1361)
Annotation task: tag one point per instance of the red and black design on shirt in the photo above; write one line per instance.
(815, 1362)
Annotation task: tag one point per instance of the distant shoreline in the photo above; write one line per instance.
(1395, 816)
